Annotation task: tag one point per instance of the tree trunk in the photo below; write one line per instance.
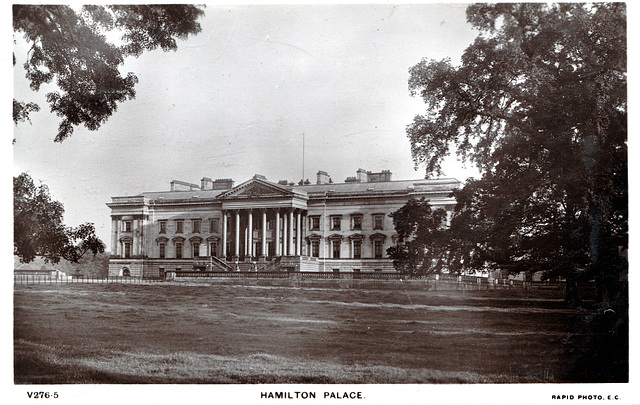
(571, 290)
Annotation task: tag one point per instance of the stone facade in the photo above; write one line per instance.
(263, 225)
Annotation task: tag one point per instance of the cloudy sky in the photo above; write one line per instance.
(236, 99)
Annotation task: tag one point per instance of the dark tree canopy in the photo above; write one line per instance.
(38, 229)
(539, 104)
(71, 46)
(422, 238)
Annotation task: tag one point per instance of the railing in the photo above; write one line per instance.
(235, 274)
(35, 280)
(304, 275)
(384, 276)
(379, 276)
(221, 263)
(273, 265)
(318, 275)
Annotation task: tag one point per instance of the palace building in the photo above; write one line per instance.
(261, 225)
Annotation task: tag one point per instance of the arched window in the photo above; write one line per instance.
(126, 272)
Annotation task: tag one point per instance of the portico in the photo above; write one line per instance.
(258, 233)
(261, 220)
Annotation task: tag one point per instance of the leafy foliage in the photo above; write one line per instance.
(421, 245)
(539, 105)
(21, 111)
(71, 46)
(38, 229)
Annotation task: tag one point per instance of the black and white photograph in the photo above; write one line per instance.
(313, 202)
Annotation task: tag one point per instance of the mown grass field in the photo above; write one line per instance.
(170, 333)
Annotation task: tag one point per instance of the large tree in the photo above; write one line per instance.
(539, 104)
(429, 243)
(70, 45)
(38, 229)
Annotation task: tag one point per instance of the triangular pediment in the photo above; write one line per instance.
(256, 188)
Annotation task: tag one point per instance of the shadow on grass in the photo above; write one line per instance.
(602, 353)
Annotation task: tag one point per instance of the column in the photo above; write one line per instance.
(284, 234)
(114, 237)
(245, 240)
(135, 246)
(291, 247)
(224, 235)
(237, 230)
(299, 234)
(278, 250)
(250, 235)
(264, 233)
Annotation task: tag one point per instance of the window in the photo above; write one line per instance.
(196, 249)
(196, 226)
(377, 249)
(271, 224)
(127, 249)
(128, 225)
(179, 226)
(163, 227)
(357, 249)
(378, 221)
(315, 248)
(356, 222)
(336, 249)
(213, 249)
(213, 225)
(314, 223)
(335, 222)
(163, 249)
(178, 250)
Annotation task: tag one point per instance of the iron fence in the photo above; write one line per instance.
(41, 279)
(384, 276)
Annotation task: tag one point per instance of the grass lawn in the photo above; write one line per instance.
(178, 333)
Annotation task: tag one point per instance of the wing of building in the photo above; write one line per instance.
(265, 226)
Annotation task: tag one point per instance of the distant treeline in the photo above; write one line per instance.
(89, 265)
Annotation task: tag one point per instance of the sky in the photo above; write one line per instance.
(237, 100)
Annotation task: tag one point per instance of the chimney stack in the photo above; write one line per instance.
(361, 176)
(206, 184)
(223, 184)
(323, 177)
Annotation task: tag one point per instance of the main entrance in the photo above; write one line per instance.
(262, 220)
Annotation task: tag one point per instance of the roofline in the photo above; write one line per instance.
(299, 190)
(442, 180)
